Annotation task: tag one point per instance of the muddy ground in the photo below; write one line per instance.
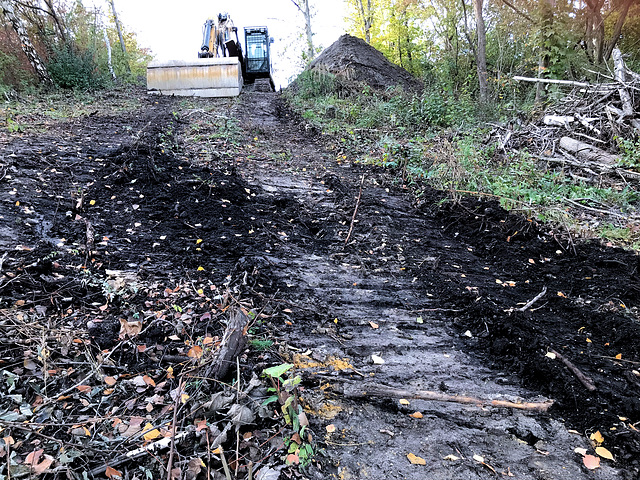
(169, 211)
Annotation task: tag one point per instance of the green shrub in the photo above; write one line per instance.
(75, 69)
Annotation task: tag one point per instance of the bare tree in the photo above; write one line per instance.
(8, 9)
(303, 7)
(119, 30)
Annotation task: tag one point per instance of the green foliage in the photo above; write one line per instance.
(75, 69)
(285, 392)
(630, 153)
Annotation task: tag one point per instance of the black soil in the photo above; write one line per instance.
(355, 60)
(257, 208)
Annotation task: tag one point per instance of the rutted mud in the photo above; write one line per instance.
(433, 291)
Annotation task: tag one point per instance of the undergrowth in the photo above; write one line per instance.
(440, 138)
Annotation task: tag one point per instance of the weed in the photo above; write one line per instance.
(284, 389)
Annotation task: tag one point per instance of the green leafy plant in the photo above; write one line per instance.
(284, 389)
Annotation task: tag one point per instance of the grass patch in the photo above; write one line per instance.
(438, 138)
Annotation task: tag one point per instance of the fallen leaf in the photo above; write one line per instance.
(373, 325)
(416, 460)
(619, 356)
(195, 352)
(580, 451)
(293, 459)
(597, 437)
(38, 466)
(149, 381)
(217, 451)
(404, 401)
(560, 294)
(551, 355)
(604, 453)
(84, 388)
(416, 415)
(111, 472)
(129, 329)
(331, 428)
(111, 381)
(451, 457)
(478, 458)
(151, 433)
(591, 462)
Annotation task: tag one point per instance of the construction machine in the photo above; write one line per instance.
(222, 66)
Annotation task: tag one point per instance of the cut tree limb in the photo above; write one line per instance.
(586, 381)
(587, 151)
(552, 80)
(379, 390)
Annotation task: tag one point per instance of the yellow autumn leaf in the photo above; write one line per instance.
(184, 397)
(619, 356)
(152, 433)
(195, 352)
(597, 437)
(200, 269)
(404, 401)
(416, 460)
(217, 451)
(604, 453)
(92, 202)
(198, 241)
(416, 415)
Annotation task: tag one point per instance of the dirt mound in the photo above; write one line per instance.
(354, 59)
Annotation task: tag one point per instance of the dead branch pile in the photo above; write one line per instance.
(583, 131)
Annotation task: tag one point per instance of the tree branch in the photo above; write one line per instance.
(522, 14)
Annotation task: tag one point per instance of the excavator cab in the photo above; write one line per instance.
(257, 62)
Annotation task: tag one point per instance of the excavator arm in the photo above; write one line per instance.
(208, 40)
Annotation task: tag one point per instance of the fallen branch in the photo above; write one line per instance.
(619, 72)
(533, 300)
(552, 80)
(586, 381)
(379, 390)
(355, 211)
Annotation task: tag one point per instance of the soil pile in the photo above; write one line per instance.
(353, 59)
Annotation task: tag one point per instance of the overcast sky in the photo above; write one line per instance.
(173, 29)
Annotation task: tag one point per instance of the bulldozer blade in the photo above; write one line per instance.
(202, 77)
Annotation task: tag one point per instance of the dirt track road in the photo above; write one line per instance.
(432, 291)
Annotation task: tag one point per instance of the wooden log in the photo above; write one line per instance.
(587, 151)
(379, 390)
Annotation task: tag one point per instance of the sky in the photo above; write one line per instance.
(173, 29)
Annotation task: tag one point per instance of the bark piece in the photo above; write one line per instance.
(233, 342)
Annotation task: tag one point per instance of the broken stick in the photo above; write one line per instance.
(586, 381)
(379, 390)
(355, 211)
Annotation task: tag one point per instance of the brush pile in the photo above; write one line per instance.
(592, 132)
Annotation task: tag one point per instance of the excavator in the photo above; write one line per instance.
(222, 66)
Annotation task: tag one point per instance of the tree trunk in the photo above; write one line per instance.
(481, 58)
(119, 30)
(303, 6)
(367, 19)
(108, 45)
(546, 13)
(56, 20)
(7, 8)
(618, 28)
